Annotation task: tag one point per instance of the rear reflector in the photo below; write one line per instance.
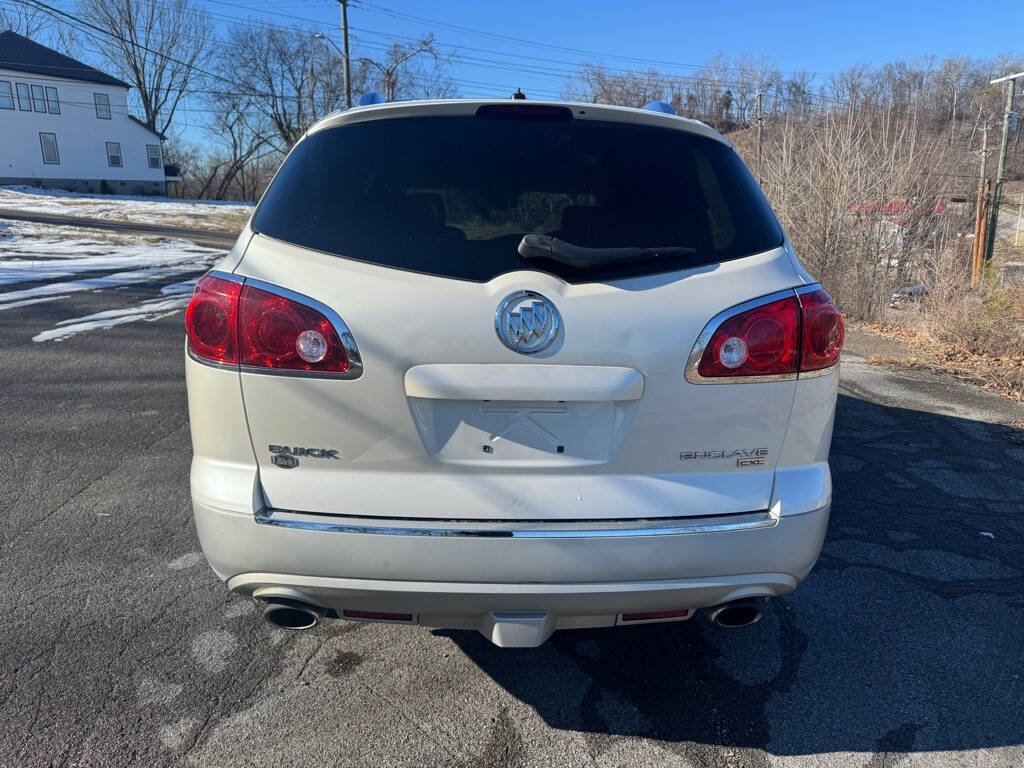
(658, 615)
(377, 616)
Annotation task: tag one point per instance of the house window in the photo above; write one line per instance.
(52, 102)
(24, 102)
(38, 98)
(48, 141)
(6, 95)
(102, 105)
(114, 154)
(153, 155)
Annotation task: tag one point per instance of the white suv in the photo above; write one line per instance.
(514, 367)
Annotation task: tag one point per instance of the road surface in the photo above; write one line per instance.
(119, 646)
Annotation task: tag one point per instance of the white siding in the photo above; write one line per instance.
(81, 135)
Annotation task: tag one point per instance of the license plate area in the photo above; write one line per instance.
(517, 433)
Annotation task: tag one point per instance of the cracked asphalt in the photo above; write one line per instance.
(120, 647)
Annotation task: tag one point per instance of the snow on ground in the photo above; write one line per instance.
(194, 214)
(46, 264)
(174, 297)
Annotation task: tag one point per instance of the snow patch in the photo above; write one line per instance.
(200, 214)
(150, 310)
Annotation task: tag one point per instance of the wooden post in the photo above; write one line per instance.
(978, 247)
(981, 230)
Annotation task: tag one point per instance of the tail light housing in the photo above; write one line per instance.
(266, 329)
(823, 331)
(211, 320)
(776, 337)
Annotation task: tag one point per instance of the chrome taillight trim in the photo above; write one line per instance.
(229, 276)
(692, 374)
(355, 360)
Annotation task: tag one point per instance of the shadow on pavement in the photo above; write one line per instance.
(905, 637)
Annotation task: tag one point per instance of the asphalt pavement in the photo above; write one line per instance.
(120, 647)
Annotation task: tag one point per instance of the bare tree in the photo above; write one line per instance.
(596, 84)
(158, 46)
(400, 75)
(861, 167)
(289, 79)
(33, 23)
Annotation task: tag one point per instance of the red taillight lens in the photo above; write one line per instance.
(277, 332)
(823, 331)
(793, 334)
(211, 320)
(759, 342)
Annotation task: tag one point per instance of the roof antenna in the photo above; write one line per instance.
(519, 94)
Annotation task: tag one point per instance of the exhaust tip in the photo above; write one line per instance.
(738, 613)
(292, 614)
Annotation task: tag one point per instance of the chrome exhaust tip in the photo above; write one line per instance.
(737, 613)
(291, 614)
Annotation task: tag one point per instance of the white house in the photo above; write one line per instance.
(64, 124)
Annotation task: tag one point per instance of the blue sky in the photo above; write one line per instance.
(533, 44)
(817, 36)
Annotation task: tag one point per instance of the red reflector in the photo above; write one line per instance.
(211, 320)
(654, 615)
(377, 615)
(269, 331)
(823, 331)
(762, 341)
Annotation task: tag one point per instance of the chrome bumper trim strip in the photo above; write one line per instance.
(678, 527)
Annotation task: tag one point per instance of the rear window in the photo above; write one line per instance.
(453, 196)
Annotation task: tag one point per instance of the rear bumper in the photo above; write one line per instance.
(457, 575)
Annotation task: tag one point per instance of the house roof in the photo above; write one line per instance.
(134, 119)
(23, 55)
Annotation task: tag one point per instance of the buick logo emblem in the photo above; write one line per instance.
(527, 322)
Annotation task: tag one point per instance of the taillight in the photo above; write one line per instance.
(823, 331)
(762, 341)
(211, 320)
(235, 323)
(277, 332)
(781, 337)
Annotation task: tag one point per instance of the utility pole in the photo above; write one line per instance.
(345, 57)
(998, 194)
(981, 212)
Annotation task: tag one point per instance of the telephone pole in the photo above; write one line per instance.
(345, 57)
(981, 213)
(997, 195)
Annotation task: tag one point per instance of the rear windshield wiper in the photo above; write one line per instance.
(547, 247)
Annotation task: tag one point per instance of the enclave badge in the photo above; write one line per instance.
(745, 457)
